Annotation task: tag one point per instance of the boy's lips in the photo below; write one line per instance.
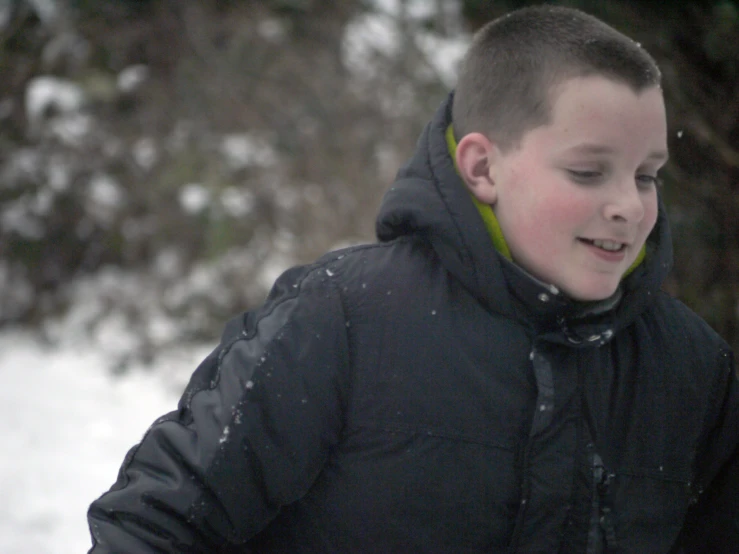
(610, 245)
(606, 249)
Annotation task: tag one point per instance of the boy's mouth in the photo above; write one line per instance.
(607, 245)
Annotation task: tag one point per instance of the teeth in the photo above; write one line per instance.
(608, 245)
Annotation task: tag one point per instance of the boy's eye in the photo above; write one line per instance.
(646, 181)
(584, 176)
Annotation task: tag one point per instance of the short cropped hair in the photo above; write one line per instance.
(508, 77)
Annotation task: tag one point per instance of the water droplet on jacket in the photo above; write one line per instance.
(224, 437)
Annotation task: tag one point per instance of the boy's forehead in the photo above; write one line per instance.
(568, 83)
(589, 113)
(593, 148)
(600, 93)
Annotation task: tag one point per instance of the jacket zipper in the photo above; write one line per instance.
(525, 486)
(602, 532)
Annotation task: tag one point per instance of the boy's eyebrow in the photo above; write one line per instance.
(593, 148)
(660, 156)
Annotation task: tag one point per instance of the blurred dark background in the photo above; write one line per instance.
(162, 161)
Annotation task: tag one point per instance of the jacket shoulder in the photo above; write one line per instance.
(681, 323)
(696, 355)
(406, 259)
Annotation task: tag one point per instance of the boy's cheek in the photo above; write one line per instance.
(650, 218)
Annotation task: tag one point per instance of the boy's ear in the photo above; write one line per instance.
(475, 156)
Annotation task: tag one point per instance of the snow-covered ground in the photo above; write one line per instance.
(65, 426)
(66, 421)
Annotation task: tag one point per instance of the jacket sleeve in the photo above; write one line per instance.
(712, 523)
(252, 431)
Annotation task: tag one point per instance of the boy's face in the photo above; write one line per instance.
(577, 200)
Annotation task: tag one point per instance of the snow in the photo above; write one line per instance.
(237, 202)
(194, 198)
(368, 35)
(380, 33)
(105, 196)
(16, 216)
(272, 29)
(72, 129)
(415, 9)
(444, 54)
(66, 420)
(132, 77)
(66, 425)
(242, 150)
(46, 92)
(145, 153)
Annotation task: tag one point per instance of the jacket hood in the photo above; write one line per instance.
(428, 199)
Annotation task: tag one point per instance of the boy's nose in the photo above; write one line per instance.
(625, 203)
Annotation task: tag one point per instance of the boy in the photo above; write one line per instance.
(501, 373)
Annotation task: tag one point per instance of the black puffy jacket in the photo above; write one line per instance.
(425, 395)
